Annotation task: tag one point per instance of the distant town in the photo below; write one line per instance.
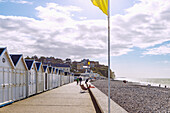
(79, 68)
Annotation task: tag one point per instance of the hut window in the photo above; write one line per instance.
(3, 60)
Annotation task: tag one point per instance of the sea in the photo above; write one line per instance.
(160, 82)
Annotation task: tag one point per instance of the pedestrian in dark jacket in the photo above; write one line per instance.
(86, 80)
(80, 79)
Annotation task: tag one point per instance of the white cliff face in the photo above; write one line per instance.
(113, 75)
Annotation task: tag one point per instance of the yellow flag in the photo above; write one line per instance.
(88, 63)
(102, 4)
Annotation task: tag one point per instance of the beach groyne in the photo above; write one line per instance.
(135, 98)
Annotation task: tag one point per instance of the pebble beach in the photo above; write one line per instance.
(136, 98)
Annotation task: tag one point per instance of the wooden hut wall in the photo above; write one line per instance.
(50, 78)
(20, 78)
(40, 79)
(6, 78)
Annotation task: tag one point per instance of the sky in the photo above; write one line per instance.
(76, 29)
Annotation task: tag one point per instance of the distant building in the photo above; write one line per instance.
(80, 65)
(50, 60)
(47, 60)
(85, 62)
(64, 67)
(94, 64)
(68, 61)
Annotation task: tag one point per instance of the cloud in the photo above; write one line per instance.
(162, 50)
(17, 1)
(83, 18)
(144, 25)
(21, 2)
(57, 33)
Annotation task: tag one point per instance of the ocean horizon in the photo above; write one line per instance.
(162, 82)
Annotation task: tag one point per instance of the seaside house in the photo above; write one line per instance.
(94, 63)
(31, 77)
(46, 71)
(40, 77)
(19, 77)
(68, 61)
(6, 77)
(80, 65)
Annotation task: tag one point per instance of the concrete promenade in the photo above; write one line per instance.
(64, 99)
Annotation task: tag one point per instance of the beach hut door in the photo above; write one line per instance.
(45, 80)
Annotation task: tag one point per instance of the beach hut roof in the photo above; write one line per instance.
(61, 70)
(29, 63)
(56, 70)
(45, 68)
(50, 69)
(2, 50)
(15, 58)
(53, 69)
(38, 65)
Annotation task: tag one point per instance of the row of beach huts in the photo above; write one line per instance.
(21, 78)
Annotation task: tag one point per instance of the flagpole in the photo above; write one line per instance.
(108, 56)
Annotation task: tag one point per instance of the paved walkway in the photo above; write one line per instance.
(65, 99)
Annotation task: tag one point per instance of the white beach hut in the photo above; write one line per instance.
(61, 73)
(31, 77)
(50, 77)
(72, 77)
(65, 79)
(46, 71)
(54, 78)
(19, 91)
(6, 75)
(58, 77)
(40, 77)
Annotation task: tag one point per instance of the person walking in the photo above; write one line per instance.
(80, 79)
(86, 80)
(77, 80)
